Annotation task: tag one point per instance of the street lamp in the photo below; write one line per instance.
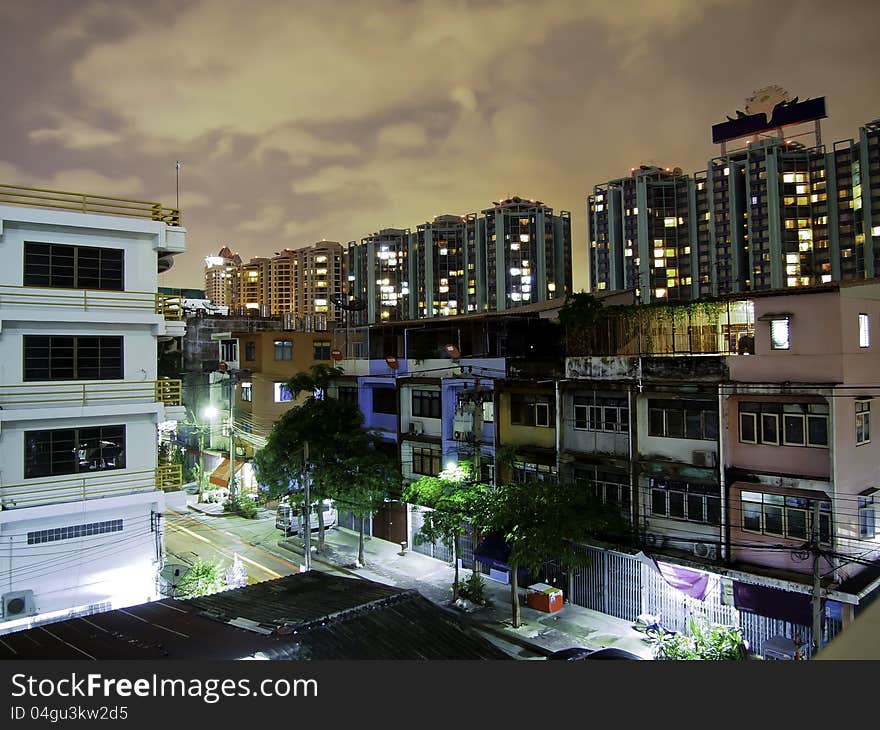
(209, 413)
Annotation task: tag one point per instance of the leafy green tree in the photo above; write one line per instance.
(451, 497)
(203, 578)
(543, 520)
(343, 462)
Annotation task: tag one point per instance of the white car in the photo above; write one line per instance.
(290, 521)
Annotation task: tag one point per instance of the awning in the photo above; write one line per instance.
(773, 603)
(220, 475)
(781, 491)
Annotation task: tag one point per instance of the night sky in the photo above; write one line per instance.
(297, 121)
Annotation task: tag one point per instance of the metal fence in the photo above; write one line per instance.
(624, 586)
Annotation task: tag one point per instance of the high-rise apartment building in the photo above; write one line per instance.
(302, 282)
(516, 253)
(383, 269)
(781, 211)
(82, 500)
(448, 266)
(528, 253)
(221, 277)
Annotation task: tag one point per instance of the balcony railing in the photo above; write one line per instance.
(85, 203)
(88, 300)
(78, 488)
(167, 391)
(169, 477)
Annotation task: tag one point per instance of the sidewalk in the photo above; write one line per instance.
(540, 633)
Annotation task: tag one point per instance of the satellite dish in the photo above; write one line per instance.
(170, 577)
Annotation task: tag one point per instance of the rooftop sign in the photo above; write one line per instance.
(767, 109)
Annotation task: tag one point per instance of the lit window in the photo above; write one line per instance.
(864, 331)
(669, 222)
(867, 517)
(282, 394)
(780, 334)
(863, 422)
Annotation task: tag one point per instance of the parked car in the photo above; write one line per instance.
(289, 520)
(579, 653)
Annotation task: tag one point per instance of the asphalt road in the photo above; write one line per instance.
(188, 538)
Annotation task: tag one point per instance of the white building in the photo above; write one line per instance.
(81, 497)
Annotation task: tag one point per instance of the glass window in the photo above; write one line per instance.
(250, 351)
(73, 267)
(282, 394)
(864, 331)
(283, 350)
(773, 520)
(385, 401)
(780, 334)
(863, 422)
(321, 349)
(751, 513)
(77, 357)
(796, 522)
(74, 451)
(867, 518)
(676, 504)
(247, 393)
(695, 508)
(426, 403)
(747, 428)
(658, 502)
(769, 428)
(817, 430)
(793, 430)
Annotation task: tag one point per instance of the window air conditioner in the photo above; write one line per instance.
(652, 539)
(416, 428)
(703, 458)
(17, 604)
(706, 550)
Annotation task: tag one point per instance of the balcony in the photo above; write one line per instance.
(85, 203)
(90, 300)
(99, 485)
(169, 477)
(167, 392)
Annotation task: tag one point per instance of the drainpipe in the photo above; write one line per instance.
(558, 429)
(722, 480)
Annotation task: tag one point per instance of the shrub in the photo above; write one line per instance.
(242, 505)
(474, 590)
(202, 579)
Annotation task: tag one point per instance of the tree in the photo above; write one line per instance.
(202, 579)
(363, 481)
(450, 497)
(343, 462)
(542, 520)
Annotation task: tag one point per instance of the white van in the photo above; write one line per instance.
(289, 520)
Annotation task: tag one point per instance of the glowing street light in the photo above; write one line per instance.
(210, 412)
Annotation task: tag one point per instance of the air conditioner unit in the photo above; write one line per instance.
(17, 604)
(654, 540)
(416, 428)
(706, 550)
(703, 458)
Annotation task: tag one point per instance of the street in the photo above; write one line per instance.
(189, 537)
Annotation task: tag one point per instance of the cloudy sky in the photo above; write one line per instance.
(299, 120)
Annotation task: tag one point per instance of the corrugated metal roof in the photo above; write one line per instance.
(304, 616)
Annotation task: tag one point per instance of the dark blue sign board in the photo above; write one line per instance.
(784, 114)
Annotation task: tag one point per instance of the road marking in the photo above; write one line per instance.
(242, 557)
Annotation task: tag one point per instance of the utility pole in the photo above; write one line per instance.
(817, 581)
(478, 430)
(233, 487)
(307, 510)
